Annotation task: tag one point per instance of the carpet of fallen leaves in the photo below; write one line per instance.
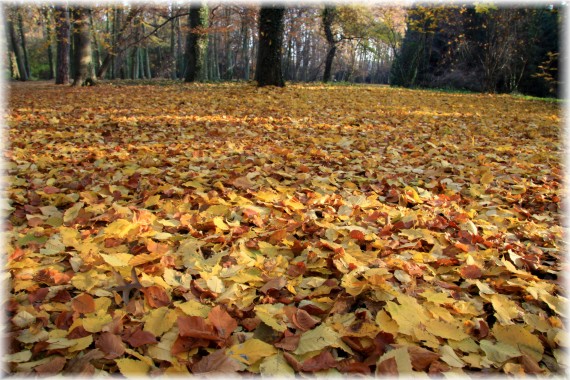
(223, 228)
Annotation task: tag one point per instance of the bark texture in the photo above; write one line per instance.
(82, 48)
(63, 44)
(268, 71)
(197, 43)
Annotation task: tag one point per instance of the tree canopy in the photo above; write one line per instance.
(466, 47)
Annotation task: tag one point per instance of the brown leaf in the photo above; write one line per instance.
(51, 276)
(83, 304)
(277, 236)
(156, 296)
(196, 327)
(216, 362)
(304, 321)
(52, 367)
(250, 323)
(185, 344)
(81, 364)
(342, 304)
(140, 338)
(421, 358)
(530, 365)
(222, 321)
(289, 342)
(471, 271)
(322, 361)
(351, 366)
(387, 367)
(298, 269)
(242, 183)
(273, 284)
(438, 367)
(357, 235)
(292, 361)
(38, 295)
(110, 344)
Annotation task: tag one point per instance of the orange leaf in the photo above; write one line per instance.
(140, 338)
(83, 303)
(222, 321)
(196, 327)
(273, 284)
(322, 361)
(277, 236)
(111, 345)
(303, 320)
(52, 367)
(185, 344)
(155, 296)
(216, 362)
(471, 271)
(387, 367)
(421, 358)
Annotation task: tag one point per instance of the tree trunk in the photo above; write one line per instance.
(82, 48)
(197, 43)
(97, 63)
(179, 52)
(63, 44)
(268, 72)
(17, 49)
(245, 49)
(23, 40)
(46, 15)
(172, 47)
(329, 15)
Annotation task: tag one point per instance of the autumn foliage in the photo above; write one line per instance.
(173, 229)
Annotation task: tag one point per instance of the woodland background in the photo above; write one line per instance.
(482, 48)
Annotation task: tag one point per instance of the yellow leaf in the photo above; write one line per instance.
(117, 259)
(152, 201)
(450, 357)
(215, 284)
(81, 343)
(446, 330)
(69, 236)
(87, 280)
(120, 228)
(159, 321)
(317, 339)
(275, 365)
(498, 352)
(251, 351)
(162, 350)
(267, 314)
(267, 196)
(487, 178)
(18, 357)
(386, 323)
(408, 314)
(403, 360)
(132, 368)
(194, 308)
(96, 322)
(72, 212)
(519, 337)
(505, 309)
(219, 223)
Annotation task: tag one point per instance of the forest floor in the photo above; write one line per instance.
(167, 229)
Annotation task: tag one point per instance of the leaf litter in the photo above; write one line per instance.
(161, 230)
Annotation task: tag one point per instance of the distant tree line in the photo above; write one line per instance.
(478, 48)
